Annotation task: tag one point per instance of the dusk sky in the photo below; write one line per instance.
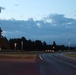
(46, 20)
(37, 9)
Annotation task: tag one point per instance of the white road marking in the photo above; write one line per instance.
(40, 57)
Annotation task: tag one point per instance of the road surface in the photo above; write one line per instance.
(45, 64)
(56, 64)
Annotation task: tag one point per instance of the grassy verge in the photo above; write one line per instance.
(17, 56)
(71, 55)
(20, 55)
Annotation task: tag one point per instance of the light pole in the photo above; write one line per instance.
(69, 44)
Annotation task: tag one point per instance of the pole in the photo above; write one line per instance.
(69, 44)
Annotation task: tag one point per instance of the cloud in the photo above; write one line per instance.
(16, 4)
(54, 27)
(38, 24)
(60, 19)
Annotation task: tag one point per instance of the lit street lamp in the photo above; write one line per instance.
(15, 44)
(53, 47)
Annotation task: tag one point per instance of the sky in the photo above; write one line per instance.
(46, 20)
(37, 9)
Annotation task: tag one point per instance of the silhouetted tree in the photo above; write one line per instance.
(44, 45)
(30, 45)
(38, 45)
(11, 43)
(4, 43)
(54, 46)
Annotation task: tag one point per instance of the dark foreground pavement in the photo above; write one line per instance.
(18, 67)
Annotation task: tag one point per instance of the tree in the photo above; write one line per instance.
(54, 46)
(38, 45)
(11, 43)
(44, 45)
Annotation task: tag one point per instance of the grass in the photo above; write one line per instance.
(20, 55)
(71, 55)
(17, 56)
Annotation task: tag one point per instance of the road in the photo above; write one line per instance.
(45, 64)
(56, 64)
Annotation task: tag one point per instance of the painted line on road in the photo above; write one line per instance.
(40, 57)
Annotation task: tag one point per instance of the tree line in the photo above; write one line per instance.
(22, 44)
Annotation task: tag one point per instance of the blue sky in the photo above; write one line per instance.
(46, 20)
(37, 9)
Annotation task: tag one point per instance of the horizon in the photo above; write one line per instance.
(34, 31)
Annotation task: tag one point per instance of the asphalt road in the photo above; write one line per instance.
(56, 64)
(45, 64)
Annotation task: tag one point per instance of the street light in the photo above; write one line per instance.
(15, 44)
(53, 47)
